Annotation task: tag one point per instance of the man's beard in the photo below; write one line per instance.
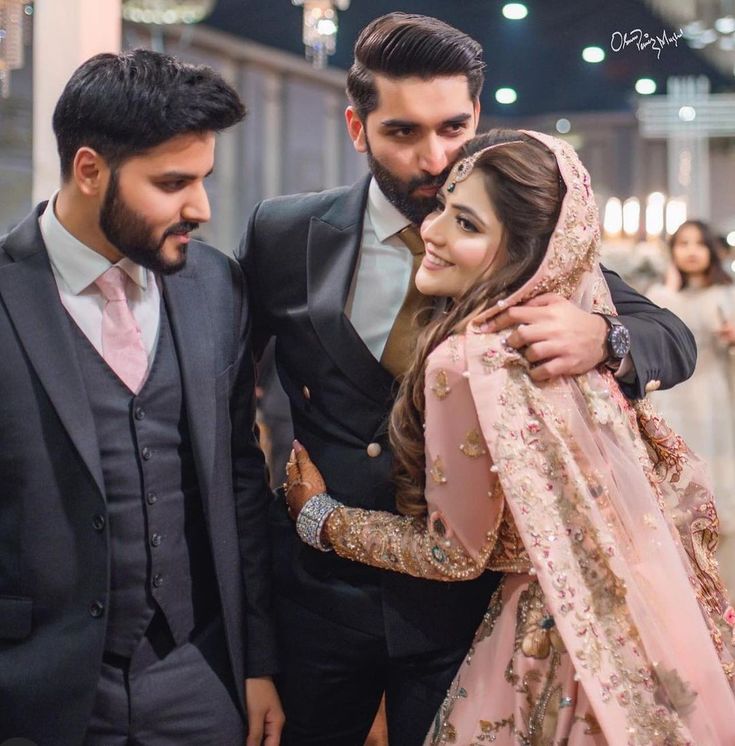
(133, 237)
(400, 193)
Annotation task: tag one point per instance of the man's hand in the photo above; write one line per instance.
(559, 338)
(265, 714)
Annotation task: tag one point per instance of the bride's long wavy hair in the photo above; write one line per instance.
(525, 188)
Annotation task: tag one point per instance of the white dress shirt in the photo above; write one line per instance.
(76, 267)
(383, 272)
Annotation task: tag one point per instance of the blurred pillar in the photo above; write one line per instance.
(65, 34)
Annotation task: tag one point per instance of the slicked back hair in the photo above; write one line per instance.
(402, 45)
(122, 105)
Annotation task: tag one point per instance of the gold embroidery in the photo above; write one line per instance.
(509, 553)
(538, 629)
(537, 638)
(593, 727)
(441, 386)
(403, 544)
(674, 692)
(474, 445)
(442, 731)
(437, 471)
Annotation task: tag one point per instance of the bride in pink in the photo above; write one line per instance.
(611, 625)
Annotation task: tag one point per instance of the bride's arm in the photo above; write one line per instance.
(452, 541)
(422, 547)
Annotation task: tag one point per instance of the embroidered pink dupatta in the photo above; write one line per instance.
(615, 512)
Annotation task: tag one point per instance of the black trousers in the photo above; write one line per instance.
(169, 696)
(333, 677)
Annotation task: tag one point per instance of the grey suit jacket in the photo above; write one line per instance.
(53, 564)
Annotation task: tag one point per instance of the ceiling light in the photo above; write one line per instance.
(166, 12)
(506, 96)
(563, 126)
(708, 36)
(687, 113)
(725, 25)
(731, 238)
(319, 28)
(693, 29)
(515, 11)
(593, 54)
(645, 86)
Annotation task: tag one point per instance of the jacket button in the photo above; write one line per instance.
(151, 497)
(307, 394)
(157, 580)
(98, 522)
(96, 609)
(374, 450)
(139, 413)
(146, 453)
(156, 540)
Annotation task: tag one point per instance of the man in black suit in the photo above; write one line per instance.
(328, 274)
(134, 594)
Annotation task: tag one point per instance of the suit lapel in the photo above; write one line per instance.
(333, 249)
(29, 292)
(193, 336)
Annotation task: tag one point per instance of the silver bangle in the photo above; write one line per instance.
(312, 517)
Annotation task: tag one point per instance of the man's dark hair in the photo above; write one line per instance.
(122, 105)
(402, 45)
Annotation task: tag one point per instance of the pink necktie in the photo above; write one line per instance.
(122, 347)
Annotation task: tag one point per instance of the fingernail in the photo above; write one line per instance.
(297, 446)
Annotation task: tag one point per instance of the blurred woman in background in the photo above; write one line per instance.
(701, 293)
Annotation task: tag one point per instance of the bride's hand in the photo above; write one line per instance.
(303, 480)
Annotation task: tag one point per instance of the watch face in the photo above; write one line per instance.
(619, 340)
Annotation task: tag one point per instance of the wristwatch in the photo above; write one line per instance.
(617, 342)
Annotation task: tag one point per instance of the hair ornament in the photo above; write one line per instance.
(462, 169)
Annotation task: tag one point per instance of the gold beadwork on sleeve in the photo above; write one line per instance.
(474, 445)
(441, 387)
(437, 471)
(403, 544)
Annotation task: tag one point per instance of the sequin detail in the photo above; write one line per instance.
(474, 445)
(437, 471)
(441, 387)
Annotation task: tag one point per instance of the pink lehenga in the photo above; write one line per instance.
(611, 625)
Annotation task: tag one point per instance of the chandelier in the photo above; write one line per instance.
(13, 15)
(707, 25)
(320, 28)
(166, 12)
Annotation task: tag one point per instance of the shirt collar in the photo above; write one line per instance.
(385, 217)
(77, 264)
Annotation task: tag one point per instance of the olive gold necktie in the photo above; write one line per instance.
(401, 343)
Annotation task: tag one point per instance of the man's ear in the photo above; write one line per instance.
(476, 107)
(356, 129)
(90, 172)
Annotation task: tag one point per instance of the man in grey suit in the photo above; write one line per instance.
(328, 273)
(134, 587)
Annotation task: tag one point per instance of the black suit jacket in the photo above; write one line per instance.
(53, 563)
(299, 255)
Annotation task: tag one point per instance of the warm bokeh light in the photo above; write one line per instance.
(613, 220)
(631, 216)
(655, 213)
(676, 214)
